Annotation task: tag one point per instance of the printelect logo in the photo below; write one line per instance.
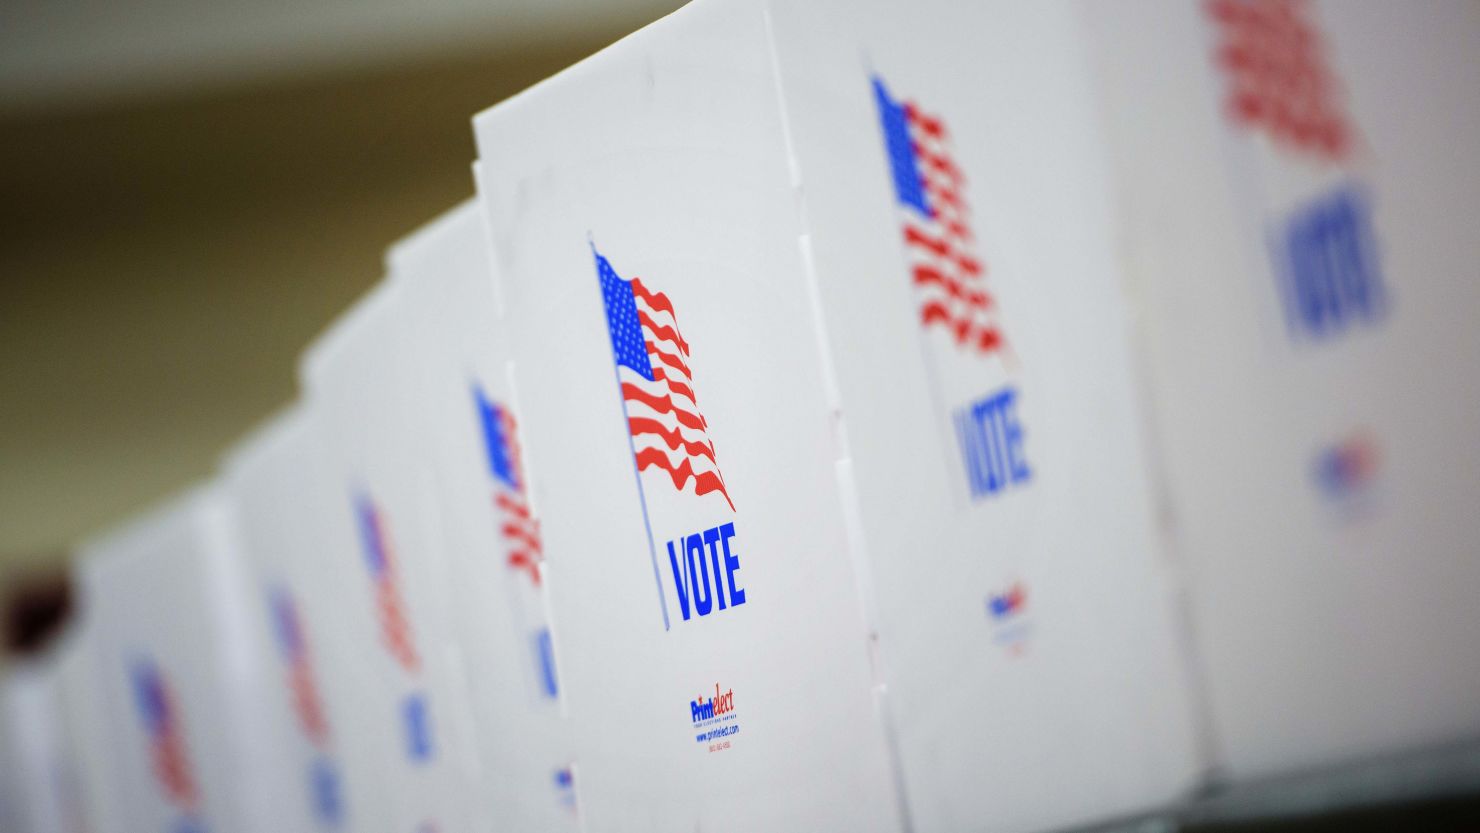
(715, 717)
(1008, 611)
(706, 709)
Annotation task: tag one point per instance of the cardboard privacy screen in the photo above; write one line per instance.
(850, 280)
(1295, 216)
(355, 381)
(40, 783)
(304, 574)
(467, 416)
(667, 367)
(180, 675)
(957, 226)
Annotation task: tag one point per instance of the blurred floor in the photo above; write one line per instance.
(162, 262)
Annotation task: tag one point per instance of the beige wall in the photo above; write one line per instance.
(163, 261)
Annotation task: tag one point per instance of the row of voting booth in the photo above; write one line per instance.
(839, 415)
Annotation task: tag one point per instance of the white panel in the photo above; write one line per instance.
(1319, 455)
(1024, 611)
(41, 772)
(690, 708)
(379, 476)
(180, 671)
(301, 558)
(466, 420)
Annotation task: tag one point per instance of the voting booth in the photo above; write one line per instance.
(464, 410)
(42, 790)
(303, 569)
(940, 282)
(956, 226)
(179, 670)
(1295, 188)
(355, 382)
(60, 771)
(669, 380)
(93, 759)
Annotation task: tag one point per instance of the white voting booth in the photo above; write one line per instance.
(1295, 204)
(737, 169)
(956, 224)
(710, 634)
(464, 414)
(379, 475)
(92, 759)
(39, 771)
(303, 567)
(178, 668)
(58, 766)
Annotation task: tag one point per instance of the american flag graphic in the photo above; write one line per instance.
(293, 648)
(390, 608)
(155, 702)
(1279, 83)
(667, 429)
(949, 279)
(520, 530)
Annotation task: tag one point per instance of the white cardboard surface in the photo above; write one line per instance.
(665, 154)
(466, 415)
(354, 380)
(41, 779)
(180, 673)
(1026, 624)
(321, 679)
(85, 713)
(1332, 613)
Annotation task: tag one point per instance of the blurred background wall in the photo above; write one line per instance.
(191, 190)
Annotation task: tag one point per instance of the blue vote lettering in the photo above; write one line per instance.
(699, 589)
(991, 439)
(1332, 278)
(703, 602)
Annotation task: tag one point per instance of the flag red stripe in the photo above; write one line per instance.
(394, 628)
(956, 228)
(518, 533)
(669, 359)
(931, 125)
(983, 337)
(704, 482)
(521, 560)
(976, 298)
(674, 385)
(671, 437)
(942, 249)
(306, 702)
(655, 300)
(172, 767)
(663, 332)
(943, 194)
(940, 162)
(663, 405)
(508, 504)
